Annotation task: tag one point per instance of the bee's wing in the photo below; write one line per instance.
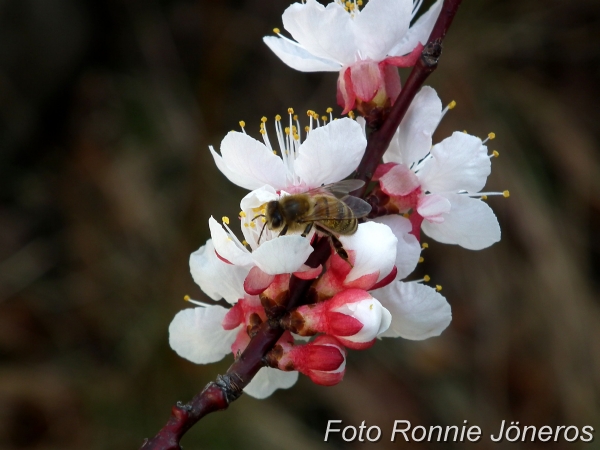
(339, 189)
(359, 207)
(332, 210)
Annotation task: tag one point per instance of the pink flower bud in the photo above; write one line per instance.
(322, 360)
(352, 316)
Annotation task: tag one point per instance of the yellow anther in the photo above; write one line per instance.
(263, 211)
(278, 117)
(246, 224)
(310, 112)
(438, 287)
(225, 220)
(290, 110)
(242, 123)
(274, 152)
(263, 119)
(491, 136)
(296, 136)
(452, 105)
(371, 306)
(464, 131)
(244, 243)
(294, 129)
(287, 130)
(263, 220)
(295, 117)
(329, 110)
(262, 131)
(276, 30)
(252, 225)
(359, 2)
(424, 245)
(186, 298)
(324, 118)
(421, 259)
(426, 278)
(307, 128)
(351, 114)
(496, 153)
(506, 194)
(242, 214)
(484, 197)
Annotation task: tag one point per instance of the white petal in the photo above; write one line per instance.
(258, 197)
(380, 26)
(330, 153)
(325, 32)
(413, 139)
(470, 224)
(459, 162)
(197, 334)
(267, 380)
(298, 57)
(375, 246)
(285, 254)
(252, 160)
(433, 207)
(374, 317)
(408, 249)
(419, 32)
(228, 246)
(418, 311)
(236, 178)
(216, 278)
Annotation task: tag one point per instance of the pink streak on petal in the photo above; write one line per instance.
(386, 280)
(366, 79)
(416, 220)
(339, 324)
(234, 317)
(222, 259)
(309, 273)
(365, 282)
(356, 345)
(345, 91)
(241, 341)
(399, 181)
(257, 281)
(391, 80)
(382, 169)
(406, 60)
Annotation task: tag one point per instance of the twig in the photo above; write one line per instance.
(380, 139)
(217, 395)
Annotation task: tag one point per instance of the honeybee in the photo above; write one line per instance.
(330, 209)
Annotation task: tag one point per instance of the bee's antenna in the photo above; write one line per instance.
(256, 217)
(261, 231)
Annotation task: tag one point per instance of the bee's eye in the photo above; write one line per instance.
(276, 220)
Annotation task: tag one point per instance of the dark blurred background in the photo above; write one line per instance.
(106, 184)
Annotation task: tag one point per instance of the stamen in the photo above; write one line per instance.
(426, 278)
(276, 30)
(242, 214)
(225, 220)
(424, 245)
(421, 259)
(438, 287)
(506, 194)
(195, 302)
(242, 125)
(351, 114)
(490, 137)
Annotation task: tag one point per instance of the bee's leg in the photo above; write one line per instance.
(284, 230)
(337, 245)
(307, 229)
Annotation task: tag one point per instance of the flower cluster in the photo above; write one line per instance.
(299, 195)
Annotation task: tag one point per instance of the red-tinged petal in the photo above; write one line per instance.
(365, 282)
(345, 91)
(241, 342)
(316, 357)
(326, 378)
(366, 80)
(382, 169)
(416, 220)
(308, 273)
(386, 280)
(356, 345)
(391, 80)
(222, 259)
(234, 317)
(339, 324)
(399, 181)
(257, 281)
(406, 60)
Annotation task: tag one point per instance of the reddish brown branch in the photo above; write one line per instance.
(218, 395)
(380, 139)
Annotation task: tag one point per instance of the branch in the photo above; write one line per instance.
(380, 139)
(217, 395)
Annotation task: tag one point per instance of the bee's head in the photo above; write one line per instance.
(274, 218)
